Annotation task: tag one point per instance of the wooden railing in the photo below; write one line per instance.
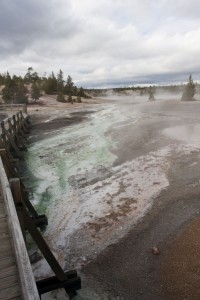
(14, 107)
(13, 133)
(28, 285)
(12, 143)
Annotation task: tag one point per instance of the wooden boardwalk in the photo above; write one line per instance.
(9, 277)
(17, 215)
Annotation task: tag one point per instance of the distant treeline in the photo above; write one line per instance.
(17, 89)
(138, 89)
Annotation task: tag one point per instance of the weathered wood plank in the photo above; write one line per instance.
(5, 247)
(7, 262)
(4, 238)
(3, 226)
(3, 222)
(8, 282)
(4, 235)
(9, 271)
(28, 285)
(2, 215)
(10, 293)
(7, 254)
(4, 229)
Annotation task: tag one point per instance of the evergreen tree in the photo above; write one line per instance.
(69, 86)
(8, 92)
(70, 99)
(60, 97)
(151, 92)
(21, 93)
(81, 92)
(190, 90)
(50, 85)
(60, 82)
(35, 91)
(2, 79)
(75, 90)
(78, 99)
(14, 90)
(31, 76)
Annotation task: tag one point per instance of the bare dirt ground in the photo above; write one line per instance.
(47, 115)
(128, 269)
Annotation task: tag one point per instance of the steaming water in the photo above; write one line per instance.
(89, 202)
(187, 133)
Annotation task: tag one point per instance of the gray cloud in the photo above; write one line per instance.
(25, 23)
(102, 42)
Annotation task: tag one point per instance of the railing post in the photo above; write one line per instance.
(17, 196)
(8, 138)
(25, 108)
(11, 171)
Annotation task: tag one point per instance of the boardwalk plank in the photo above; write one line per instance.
(4, 235)
(7, 262)
(8, 282)
(10, 293)
(9, 271)
(14, 264)
(6, 254)
(5, 244)
(2, 215)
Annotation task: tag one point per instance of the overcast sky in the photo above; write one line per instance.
(102, 43)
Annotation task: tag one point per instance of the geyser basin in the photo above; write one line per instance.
(189, 134)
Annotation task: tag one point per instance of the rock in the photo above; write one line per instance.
(35, 257)
(155, 250)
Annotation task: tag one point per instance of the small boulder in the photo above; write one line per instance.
(155, 250)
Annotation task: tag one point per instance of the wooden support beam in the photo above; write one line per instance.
(44, 248)
(17, 139)
(19, 128)
(25, 121)
(40, 220)
(73, 283)
(17, 196)
(62, 279)
(10, 140)
(11, 171)
(21, 123)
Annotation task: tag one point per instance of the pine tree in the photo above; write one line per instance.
(31, 76)
(60, 81)
(70, 99)
(50, 85)
(60, 97)
(81, 92)
(9, 91)
(21, 93)
(78, 99)
(190, 90)
(14, 90)
(151, 92)
(35, 91)
(69, 86)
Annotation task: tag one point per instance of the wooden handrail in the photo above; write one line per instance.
(23, 107)
(28, 285)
